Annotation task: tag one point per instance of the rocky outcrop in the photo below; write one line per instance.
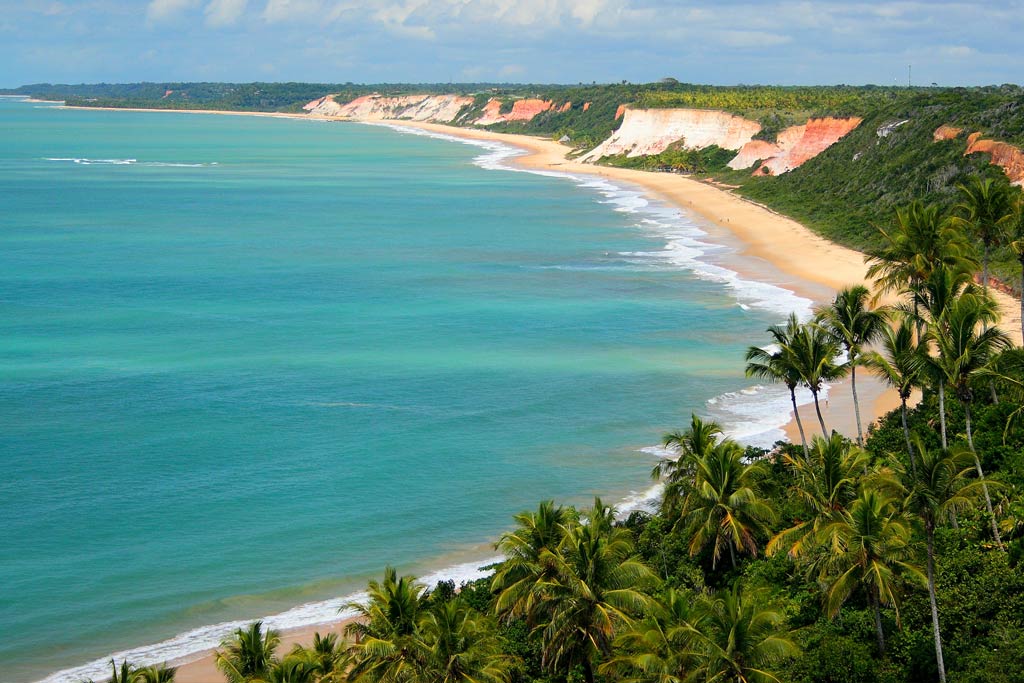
(888, 129)
(945, 132)
(522, 110)
(1003, 154)
(325, 106)
(651, 131)
(442, 108)
(798, 144)
(753, 152)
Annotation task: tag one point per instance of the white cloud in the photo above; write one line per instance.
(959, 51)
(293, 10)
(224, 12)
(163, 10)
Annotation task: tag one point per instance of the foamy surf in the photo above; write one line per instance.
(81, 161)
(686, 245)
(190, 645)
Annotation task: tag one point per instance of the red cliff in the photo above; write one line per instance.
(1003, 154)
(522, 110)
(945, 132)
(797, 144)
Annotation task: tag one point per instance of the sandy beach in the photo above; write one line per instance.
(813, 266)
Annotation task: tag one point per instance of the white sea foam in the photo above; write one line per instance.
(128, 162)
(686, 244)
(753, 416)
(188, 646)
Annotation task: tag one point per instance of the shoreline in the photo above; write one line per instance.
(763, 235)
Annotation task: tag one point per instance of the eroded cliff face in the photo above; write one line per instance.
(945, 132)
(442, 108)
(1003, 154)
(325, 106)
(798, 144)
(651, 131)
(522, 110)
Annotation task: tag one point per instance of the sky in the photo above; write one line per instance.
(525, 41)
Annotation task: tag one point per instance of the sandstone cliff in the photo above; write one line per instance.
(945, 132)
(325, 106)
(797, 144)
(522, 110)
(1003, 154)
(651, 131)
(443, 108)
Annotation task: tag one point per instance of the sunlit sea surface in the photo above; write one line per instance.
(245, 363)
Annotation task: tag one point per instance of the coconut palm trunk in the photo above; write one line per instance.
(799, 422)
(856, 404)
(877, 610)
(981, 475)
(906, 435)
(930, 528)
(817, 409)
(942, 412)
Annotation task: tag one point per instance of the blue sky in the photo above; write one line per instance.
(549, 41)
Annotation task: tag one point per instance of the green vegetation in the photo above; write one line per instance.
(676, 159)
(889, 559)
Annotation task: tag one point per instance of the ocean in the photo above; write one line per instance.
(245, 363)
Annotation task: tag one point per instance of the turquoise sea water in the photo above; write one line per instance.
(247, 362)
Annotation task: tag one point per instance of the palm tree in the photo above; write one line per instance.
(157, 673)
(743, 639)
(725, 507)
(920, 240)
(385, 645)
(902, 365)
(826, 483)
(459, 645)
(290, 670)
(1007, 370)
(518, 578)
(986, 210)
(248, 654)
(869, 546)
(126, 673)
(327, 658)
(964, 353)
(813, 355)
(662, 647)
(937, 489)
(853, 325)
(596, 586)
(774, 366)
(691, 445)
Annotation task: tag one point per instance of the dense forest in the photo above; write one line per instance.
(888, 555)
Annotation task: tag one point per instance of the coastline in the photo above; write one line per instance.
(784, 244)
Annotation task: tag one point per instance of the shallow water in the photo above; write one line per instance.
(245, 363)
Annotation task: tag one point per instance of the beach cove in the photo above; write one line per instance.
(764, 236)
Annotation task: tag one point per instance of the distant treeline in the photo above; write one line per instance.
(845, 193)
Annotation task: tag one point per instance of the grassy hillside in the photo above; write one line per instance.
(858, 183)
